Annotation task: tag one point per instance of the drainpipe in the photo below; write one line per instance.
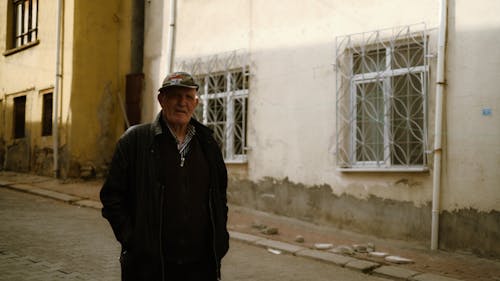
(55, 99)
(135, 79)
(440, 84)
(171, 36)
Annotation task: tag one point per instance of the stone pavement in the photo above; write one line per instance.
(45, 240)
(86, 194)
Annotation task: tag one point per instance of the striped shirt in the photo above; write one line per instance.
(184, 146)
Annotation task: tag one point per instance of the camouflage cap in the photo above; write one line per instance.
(179, 79)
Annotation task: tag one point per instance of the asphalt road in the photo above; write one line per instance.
(47, 240)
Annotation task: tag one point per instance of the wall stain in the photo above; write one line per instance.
(385, 218)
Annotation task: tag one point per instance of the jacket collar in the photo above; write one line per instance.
(156, 125)
(202, 130)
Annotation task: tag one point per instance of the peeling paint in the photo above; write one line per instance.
(472, 231)
(385, 218)
(43, 161)
(318, 204)
(17, 156)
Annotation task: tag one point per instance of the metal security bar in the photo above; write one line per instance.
(223, 80)
(381, 99)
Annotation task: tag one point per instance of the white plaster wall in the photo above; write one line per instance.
(473, 140)
(292, 99)
(293, 96)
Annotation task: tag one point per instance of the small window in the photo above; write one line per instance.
(23, 20)
(47, 115)
(19, 117)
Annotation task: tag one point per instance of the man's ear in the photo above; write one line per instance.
(197, 100)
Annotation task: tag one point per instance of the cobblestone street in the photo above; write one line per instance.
(42, 239)
(46, 240)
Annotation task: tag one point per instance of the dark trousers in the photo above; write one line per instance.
(140, 269)
(193, 271)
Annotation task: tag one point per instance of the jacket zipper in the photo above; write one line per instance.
(162, 261)
(213, 234)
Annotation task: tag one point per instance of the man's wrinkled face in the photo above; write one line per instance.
(178, 104)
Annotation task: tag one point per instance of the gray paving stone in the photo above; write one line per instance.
(325, 256)
(431, 277)
(243, 237)
(395, 272)
(361, 265)
(47, 240)
(285, 247)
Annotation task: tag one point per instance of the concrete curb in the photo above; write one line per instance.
(42, 192)
(363, 266)
(89, 204)
(277, 245)
(431, 277)
(395, 272)
(326, 257)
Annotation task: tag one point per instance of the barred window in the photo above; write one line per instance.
(381, 100)
(223, 93)
(24, 22)
(223, 108)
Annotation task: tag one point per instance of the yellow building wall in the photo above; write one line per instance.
(101, 53)
(95, 58)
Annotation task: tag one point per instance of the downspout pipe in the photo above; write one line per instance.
(55, 99)
(134, 81)
(137, 42)
(438, 127)
(171, 36)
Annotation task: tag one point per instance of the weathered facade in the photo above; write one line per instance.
(94, 60)
(325, 109)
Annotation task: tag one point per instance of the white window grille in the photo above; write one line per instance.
(381, 99)
(223, 93)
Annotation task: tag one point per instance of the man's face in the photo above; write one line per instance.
(178, 104)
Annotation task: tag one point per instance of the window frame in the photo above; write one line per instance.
(229, 95)
(347, 122)
(376, 77)
(18, 38)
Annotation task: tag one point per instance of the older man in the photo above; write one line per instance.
(165, 195)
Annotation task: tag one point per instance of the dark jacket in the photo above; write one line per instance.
(133, 199)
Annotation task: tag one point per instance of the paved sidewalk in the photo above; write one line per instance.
(450, 267)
